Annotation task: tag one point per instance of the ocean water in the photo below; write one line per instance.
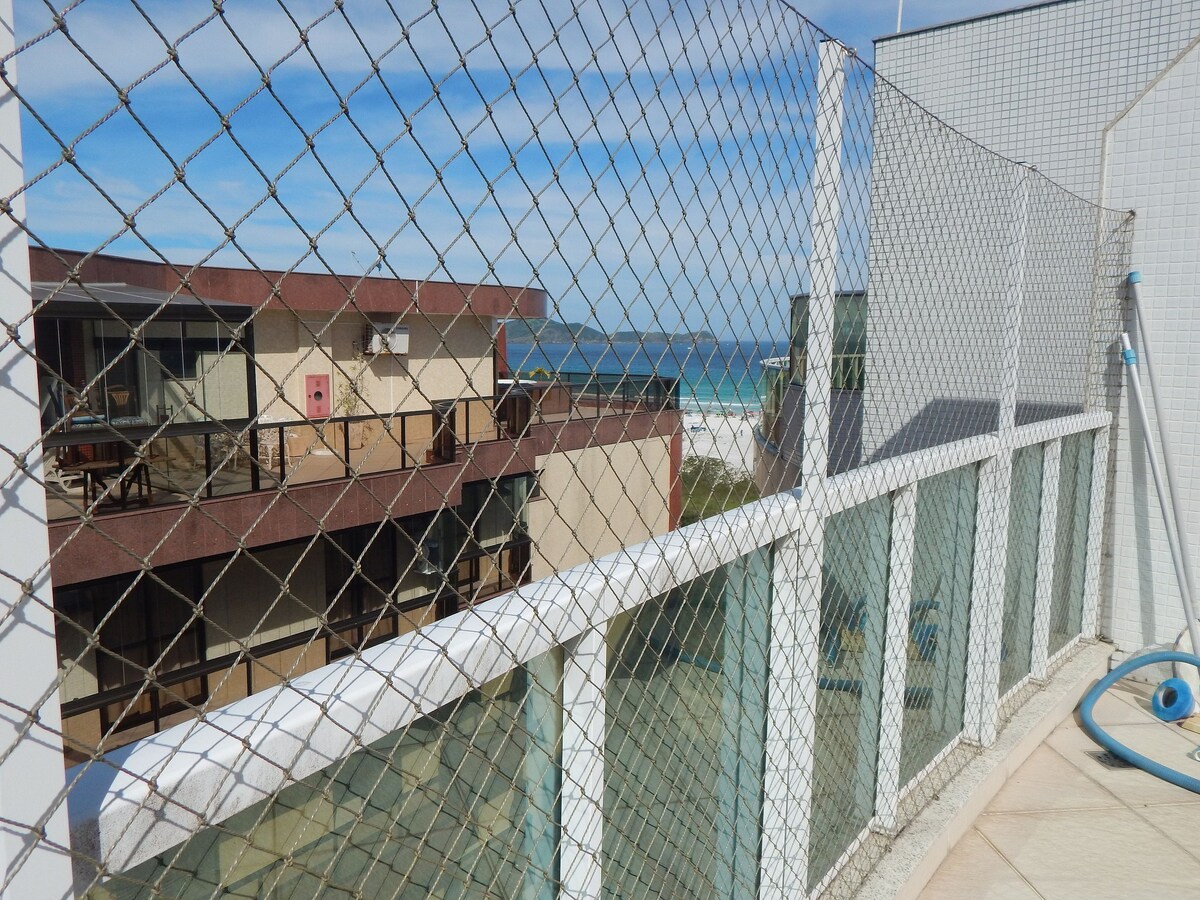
(718, 377)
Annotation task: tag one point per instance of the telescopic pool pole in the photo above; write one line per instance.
(1185, 553)
(1129, 357)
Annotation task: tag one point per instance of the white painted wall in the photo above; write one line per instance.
(1039, 84)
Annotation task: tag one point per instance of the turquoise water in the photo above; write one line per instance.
(725, 376)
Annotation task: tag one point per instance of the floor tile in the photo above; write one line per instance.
(1097, 853)
(1163, 743)
(1123, 707)
(1178, 821)
(1047, 781)
(973, 869)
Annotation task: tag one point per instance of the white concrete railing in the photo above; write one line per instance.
(145, 798)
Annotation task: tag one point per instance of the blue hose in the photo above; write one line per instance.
(1115, 747)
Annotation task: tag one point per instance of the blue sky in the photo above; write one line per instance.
(644, 164)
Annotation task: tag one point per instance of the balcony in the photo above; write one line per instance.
(103, 465)
(879, 597)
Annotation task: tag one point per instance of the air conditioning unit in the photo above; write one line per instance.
(392, 340)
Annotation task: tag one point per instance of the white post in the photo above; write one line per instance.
(895, 659)
(1047, 542)
(34, 844)
(982, 707)
(982, 703)
(826, 215)
(584, 677)
(1095, 538)
(791, 716)
(1014, 299)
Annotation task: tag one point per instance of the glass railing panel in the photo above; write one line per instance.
(685, 706)
(1070, 540)
(939, 617)
(850, 673)
(176, 465)
(1020, 578)
(557, 402)
(418, 437)
(315, 452)
(230, 464)
(460, 804)
(375, 446)
(476, 421)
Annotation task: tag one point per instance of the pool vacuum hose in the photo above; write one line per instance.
(1115, 747)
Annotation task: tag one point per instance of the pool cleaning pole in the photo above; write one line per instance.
(1189, 610)
(1135, 279)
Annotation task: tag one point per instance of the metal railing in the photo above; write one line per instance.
(216, 459)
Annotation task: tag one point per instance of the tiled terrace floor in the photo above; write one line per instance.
(1066, 825)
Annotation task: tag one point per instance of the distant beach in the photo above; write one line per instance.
(727, 437)
(720, 387)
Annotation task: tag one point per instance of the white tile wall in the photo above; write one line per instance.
(1154, 167)
(1040, 84)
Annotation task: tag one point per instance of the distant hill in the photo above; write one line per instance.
(548, 331)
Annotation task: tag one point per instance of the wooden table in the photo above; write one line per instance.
(96, 472)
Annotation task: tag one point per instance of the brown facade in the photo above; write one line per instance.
(297, 291)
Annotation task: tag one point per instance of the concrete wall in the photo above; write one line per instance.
(448, 358)
(1101, 96)
(597, 500)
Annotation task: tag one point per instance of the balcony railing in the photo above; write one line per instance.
(830, 658)
(108, 469)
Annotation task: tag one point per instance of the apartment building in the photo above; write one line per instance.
(308, 464)
(780, 436)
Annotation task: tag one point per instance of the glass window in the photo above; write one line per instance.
(686, 711)
(939, 617)
(849, 340)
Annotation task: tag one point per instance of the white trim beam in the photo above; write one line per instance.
(823, 262)
(1095, 538)
(584, 679)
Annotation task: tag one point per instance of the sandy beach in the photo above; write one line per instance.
(729, 438)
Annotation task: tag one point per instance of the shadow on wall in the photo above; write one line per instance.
(845, 427)
(947, 419)
(941, 421)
